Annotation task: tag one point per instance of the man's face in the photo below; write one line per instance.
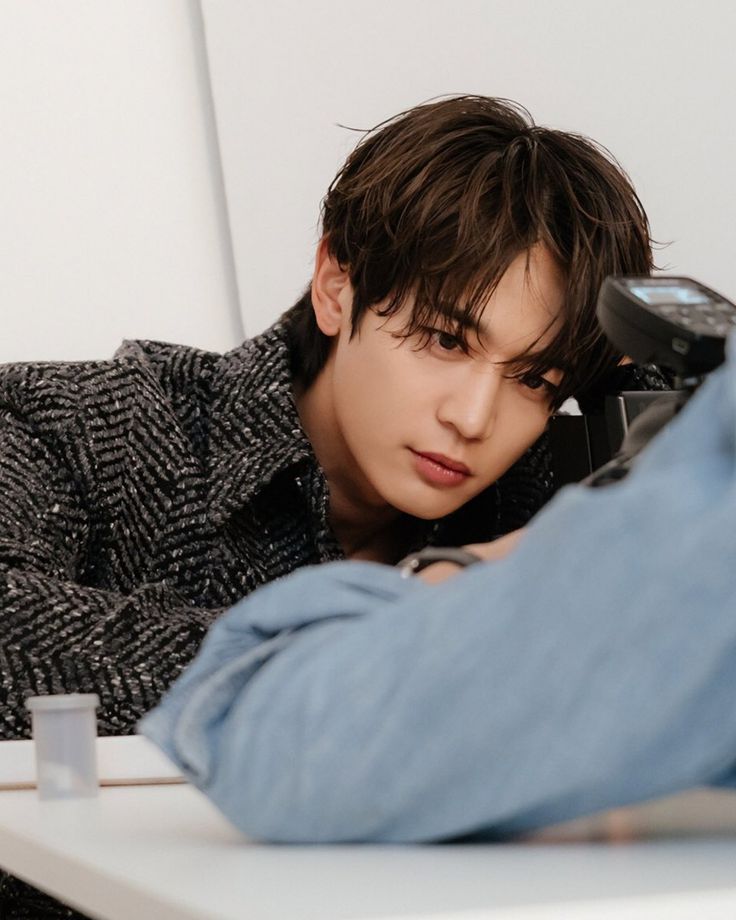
(425, 429)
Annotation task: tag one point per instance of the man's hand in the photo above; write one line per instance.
(496, 549)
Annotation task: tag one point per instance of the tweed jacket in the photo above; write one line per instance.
(142, 495)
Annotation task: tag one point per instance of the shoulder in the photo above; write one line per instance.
(150, 386)
(175, 367)
(52, 396)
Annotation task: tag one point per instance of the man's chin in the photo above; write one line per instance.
(429, 509)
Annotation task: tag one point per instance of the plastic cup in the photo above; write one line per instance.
(64, 735)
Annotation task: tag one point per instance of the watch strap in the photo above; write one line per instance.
(415, 562)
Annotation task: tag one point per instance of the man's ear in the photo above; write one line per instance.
(332, 293)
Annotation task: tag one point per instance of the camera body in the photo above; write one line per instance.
(674, 322)
(582, 444)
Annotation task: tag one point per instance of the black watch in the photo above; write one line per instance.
(415, 562)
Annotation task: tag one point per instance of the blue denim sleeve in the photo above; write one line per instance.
(594, 667)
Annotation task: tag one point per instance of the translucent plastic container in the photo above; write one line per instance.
(65, 732)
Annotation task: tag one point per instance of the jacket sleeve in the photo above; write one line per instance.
(591, 668)
(58, 635)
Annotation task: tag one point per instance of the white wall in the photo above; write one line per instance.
(653, 80)
(113, 221)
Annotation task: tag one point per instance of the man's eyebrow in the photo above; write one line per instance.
(530, 361)
(459, 317)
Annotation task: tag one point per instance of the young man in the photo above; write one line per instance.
(400, 403)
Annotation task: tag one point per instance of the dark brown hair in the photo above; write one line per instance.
(438, 201)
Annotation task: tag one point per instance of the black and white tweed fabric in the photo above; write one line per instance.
(139, 497)
(142, 495)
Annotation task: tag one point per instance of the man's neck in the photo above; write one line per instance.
(365, 534)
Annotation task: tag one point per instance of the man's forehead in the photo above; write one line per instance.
(532, 282)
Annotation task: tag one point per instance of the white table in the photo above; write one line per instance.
(164, 852)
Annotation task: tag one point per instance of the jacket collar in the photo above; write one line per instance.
(255, 431)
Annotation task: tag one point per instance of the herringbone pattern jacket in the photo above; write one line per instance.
(138, 498)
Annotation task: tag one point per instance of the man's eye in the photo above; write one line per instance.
(445, 340)
(539, 384)
(533, 381)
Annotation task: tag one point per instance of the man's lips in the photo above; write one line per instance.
(439, 471)
(448, 462)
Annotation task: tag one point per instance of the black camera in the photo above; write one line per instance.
(673, 322)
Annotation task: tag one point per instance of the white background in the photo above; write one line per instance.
(113, 218)
(653, 80)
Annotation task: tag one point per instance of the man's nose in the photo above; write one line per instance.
(472, 404)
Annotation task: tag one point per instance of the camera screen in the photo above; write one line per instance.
(671, 293)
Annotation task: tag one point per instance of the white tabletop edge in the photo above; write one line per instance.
(57, 874)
